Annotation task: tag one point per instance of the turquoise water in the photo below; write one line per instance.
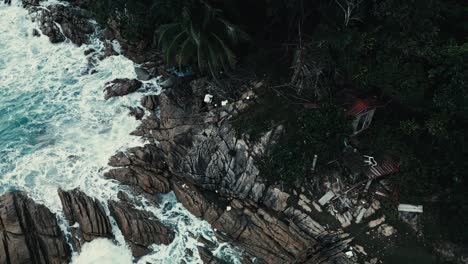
(57, 131)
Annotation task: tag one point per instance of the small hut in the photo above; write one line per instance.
(359, 107)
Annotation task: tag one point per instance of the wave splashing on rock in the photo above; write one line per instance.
(58, 131)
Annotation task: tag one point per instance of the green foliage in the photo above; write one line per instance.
(449, 73)
(433, 169)
(200, 35)
(134, 18)
(400, 52)
(308, 132)
(264, 117)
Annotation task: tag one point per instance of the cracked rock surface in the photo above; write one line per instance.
(59, 22)
(195, 152)
(29, 232)
(88, 213)
(140, 229)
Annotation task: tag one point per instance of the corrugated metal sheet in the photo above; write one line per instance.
(386, 166)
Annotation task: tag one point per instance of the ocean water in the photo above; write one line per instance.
(57, 131)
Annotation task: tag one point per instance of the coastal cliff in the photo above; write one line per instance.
(194, 149)
(194, 152)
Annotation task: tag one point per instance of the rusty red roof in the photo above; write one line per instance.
(359, 106)
(355, 103)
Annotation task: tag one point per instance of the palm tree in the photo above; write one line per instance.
(200, 36)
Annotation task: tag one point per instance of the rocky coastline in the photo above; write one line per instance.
(194, 151)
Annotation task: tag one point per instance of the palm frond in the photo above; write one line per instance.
(200, 35)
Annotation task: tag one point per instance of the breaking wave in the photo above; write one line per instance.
(57, 131)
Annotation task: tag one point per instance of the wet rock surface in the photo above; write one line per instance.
(29, 232)
(205, 249)
(150, 102)
(136, 112)
(60, 22)
(142, 74)
(121, 87)
(88, 213)
(140, 229)
(142, 168)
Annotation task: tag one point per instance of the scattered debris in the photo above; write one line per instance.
(360, 215)
(349, 254)
(381, 194)
(368, 160)
(376, 222)
(317, 207)
(410, 208)
(372, 209)
(412, 219)
(360, 249)
(345, 222)
(386, 230)
(384, 165)
(223, 103)
(326, 198)
(208, 98)
(351, 190)
(410, 214)
(314, 163)
(368, 185)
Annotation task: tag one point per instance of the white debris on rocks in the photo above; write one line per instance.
(386, 230)
(317, 207)
(376, 222)
(326, 198)
(360, 215)
(208, 98)
(410, 208)
(360, 249)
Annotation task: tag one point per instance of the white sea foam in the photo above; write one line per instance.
(80, 129)
(103, 251)
(57, 131)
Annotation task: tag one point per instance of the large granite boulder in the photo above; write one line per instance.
(121, 87)
(88, 213)
(150, 102)
(74, 22)
(141, 167)
(140, 229)
(29, 232)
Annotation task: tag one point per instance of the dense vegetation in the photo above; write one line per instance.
(411, 54)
